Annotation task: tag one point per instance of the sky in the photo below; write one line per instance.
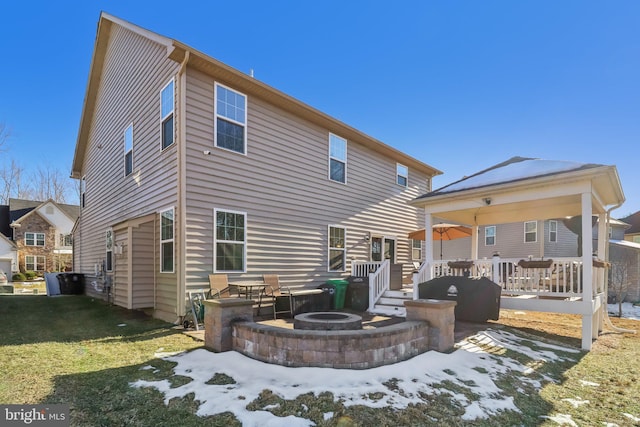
(460, 85)
(477, 360)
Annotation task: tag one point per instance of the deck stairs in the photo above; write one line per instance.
(392, 302)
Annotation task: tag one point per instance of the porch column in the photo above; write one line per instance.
(474, 242)
(587, 272)
(428, 251)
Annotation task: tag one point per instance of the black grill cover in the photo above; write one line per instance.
(478, 298)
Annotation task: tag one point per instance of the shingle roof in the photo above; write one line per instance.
(634, 221)
(512, 170)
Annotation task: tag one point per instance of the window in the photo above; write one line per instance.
(553, 231)
(166, 114)
(83, 187)
(402, 175)
(166, 241)
(34, 239)
(337, 158)
(66, 240)
(109, 250)
(490, 235)
(128, 150)
(416, 250)
(636, 239)
(530, 231)
(428, 185)
(231, 119)
(337, 248)
(230, 241)
(34, 263)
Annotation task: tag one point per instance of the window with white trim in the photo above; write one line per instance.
(337, 250)
(35, 263)
(167, 231)
(531, 231)
(34, 239)
(416, 250)
(109, 250)
(128, 150)
(402, 175)
(230, 241)
(490, 235)
(337, 158)
(83, 188)
(553, 231)
(166, 114)
(231, 119)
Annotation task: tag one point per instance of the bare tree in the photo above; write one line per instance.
(50, 183)
(5, 133)
(624, 263)
(12, 183)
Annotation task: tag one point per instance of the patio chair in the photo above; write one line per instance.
(219, 286)
(273, 291)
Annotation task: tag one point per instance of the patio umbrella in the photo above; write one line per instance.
(443, 232)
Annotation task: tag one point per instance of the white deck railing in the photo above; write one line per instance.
(379, 277)
(562, 278)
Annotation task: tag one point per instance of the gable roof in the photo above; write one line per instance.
(180, 52)
(512, 170)
(634, 223)
(19, 209)
(522, 189)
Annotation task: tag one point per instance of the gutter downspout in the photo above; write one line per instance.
(606, 279)
(182, 188)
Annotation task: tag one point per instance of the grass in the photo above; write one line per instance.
(83, 352)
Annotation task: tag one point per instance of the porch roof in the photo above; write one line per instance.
(522, 189)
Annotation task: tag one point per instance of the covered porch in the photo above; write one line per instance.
(523, 190)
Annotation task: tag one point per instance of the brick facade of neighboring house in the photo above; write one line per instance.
(42, 258)
(40, 233)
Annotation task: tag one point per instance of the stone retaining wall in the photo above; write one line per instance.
(229, 325)
(357, 349)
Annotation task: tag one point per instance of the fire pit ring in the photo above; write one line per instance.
(327, 321)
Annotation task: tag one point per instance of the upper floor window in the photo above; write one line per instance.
(34, 239)
(490, 235)
(66, 240)
(337, 248)
(83, 188)
(428, 185)
(166, 114)
(402, 175)
(531, 231)
(230, 241)
(337, 158)
(128, 150)
(231, 119)
(636, 239)
(553, 231)
(166, 241)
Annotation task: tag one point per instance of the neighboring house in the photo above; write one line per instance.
(189, 167)
(39, 234)
(632, 233)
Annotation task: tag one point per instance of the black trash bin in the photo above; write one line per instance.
(478, 299)
(357, 297)
(71, 283)
(330, 291)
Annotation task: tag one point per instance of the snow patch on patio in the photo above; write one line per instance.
(477, 363)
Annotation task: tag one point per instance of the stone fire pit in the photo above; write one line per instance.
(327, 321)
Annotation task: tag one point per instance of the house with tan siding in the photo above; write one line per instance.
(189, 167)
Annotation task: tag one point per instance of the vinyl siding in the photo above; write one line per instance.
(143, 258)
(282, 184)
(135, 71)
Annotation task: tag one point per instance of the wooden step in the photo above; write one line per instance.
(392, 301)
(404, 293)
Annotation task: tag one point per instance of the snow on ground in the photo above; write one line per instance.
(472, 366)
(629, 310)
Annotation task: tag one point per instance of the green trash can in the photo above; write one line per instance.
(341, 291)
